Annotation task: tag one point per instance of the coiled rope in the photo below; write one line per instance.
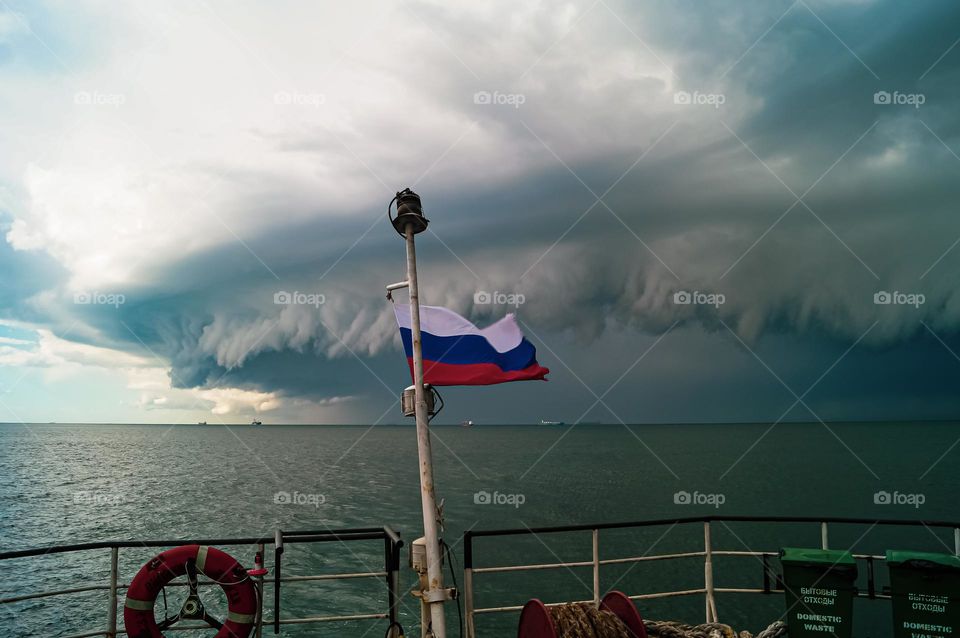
(583, 620)
(668, 629)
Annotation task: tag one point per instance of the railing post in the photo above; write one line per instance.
(277, 558)
(468, 582)
(711, 605)
(259, 585)
(114, 576)
(596, 567)
(824, 537)
(392, 567)
(766, 573)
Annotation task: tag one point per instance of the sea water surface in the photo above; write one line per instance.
(78, 483)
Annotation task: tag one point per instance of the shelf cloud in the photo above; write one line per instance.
(201, 191)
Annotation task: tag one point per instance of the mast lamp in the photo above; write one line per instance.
(409, 211)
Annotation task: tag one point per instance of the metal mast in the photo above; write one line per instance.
(408, 222)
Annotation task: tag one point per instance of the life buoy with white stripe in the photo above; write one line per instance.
(218, 566)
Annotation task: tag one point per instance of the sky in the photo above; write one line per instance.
(699, 211)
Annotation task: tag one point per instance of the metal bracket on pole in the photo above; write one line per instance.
(397, 286)
(440, 595)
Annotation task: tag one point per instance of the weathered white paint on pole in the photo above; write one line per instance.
(596, 567)
(435, 593)
(711, 603)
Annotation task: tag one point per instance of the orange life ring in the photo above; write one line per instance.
(217, 565)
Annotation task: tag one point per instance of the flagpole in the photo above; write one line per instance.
(435, 595)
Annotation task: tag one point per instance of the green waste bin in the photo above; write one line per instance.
(819, 586)
(925, 591)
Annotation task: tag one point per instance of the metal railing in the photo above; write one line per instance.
(390, 573)
(771, 582)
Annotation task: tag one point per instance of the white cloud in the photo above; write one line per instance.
(64, 356)
(149, 379)
(155, 393)
(228, 404)
(199, 152)
(13, 25)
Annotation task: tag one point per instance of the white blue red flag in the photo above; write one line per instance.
(456, 352)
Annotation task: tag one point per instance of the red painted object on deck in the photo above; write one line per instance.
(624, 609)
(535, 620)
(217, 565)
(258, 568)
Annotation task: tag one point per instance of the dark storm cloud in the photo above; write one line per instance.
(698, 212)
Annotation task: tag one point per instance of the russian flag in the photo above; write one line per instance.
(456, 352)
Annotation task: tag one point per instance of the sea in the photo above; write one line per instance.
(75, 483)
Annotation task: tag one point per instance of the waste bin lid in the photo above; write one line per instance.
(923, 560)
(817, 557)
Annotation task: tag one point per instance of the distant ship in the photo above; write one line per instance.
(201, 422)
(466, 424)
(542, 422)
(257, 423)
